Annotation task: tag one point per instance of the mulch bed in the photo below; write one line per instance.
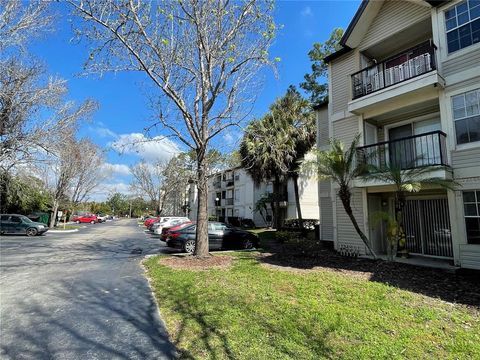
(463, 288)
(197, 264)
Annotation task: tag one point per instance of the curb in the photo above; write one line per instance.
(62, 231)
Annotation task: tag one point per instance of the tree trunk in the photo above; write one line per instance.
(345, 196)
(201, 245)
(276, 194)
(297, 200)
(54, 214)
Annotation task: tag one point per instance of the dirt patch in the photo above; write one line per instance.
(197, 264)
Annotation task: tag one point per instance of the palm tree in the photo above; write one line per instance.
(299, 119)
(404, 181)
(266, 151)
(339, 164)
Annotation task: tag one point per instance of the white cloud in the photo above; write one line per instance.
(306, 11)
(158, 148)
(232, 137)
(119, 169)
(102, 131)
(103, 191)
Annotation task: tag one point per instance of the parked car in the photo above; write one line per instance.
(102, 218)
(92, 219)
(20, 224)
(150, 221)
(220, 236)
(172, 229)
(157, 227)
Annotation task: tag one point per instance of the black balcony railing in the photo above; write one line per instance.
(229, 201)
(406, 65)
(428, 149)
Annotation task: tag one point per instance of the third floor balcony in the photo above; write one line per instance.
(406, 77)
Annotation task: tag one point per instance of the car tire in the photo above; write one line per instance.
(31, 232)
(247, 244)
(189, 246)
(92, 222)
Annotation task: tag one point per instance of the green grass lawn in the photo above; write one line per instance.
(251, 311)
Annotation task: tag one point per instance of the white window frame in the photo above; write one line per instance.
(439, 30)
(464, 94)
(470, 20)
(465, 216)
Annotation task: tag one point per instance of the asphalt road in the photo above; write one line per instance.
(80, 296)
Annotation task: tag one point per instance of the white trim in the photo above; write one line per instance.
(441, 27)
(431, 80)
(430, 116)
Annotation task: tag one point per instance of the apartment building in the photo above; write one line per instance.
(232, 195)
(407, 78)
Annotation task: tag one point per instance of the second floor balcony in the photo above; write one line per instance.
(422, 150)
(413, 71)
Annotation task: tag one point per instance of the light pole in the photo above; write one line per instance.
(216, 207)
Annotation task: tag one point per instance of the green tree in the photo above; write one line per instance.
(339, 164)
(22, 194)
(299, 119)
(118, 203)
(404, 181)
(316, 82)
(266, 150)
(201, 56)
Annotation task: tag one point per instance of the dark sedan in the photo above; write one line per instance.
(220, 236)
(19, 224)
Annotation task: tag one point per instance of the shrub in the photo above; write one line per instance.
(294, 224)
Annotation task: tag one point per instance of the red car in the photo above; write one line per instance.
(172, 231)
(150, 221)
(92, 219)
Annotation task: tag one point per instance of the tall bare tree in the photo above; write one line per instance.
(90, 171)
(32, 106)
(201, 56)
(21, 21)
(148, 181)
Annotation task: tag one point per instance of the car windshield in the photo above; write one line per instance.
(26, 219)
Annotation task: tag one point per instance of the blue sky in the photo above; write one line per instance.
(124, 111)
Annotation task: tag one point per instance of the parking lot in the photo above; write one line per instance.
(80, 295)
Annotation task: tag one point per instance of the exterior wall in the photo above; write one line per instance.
(468, 61)
(323, 133)
(346, 234)
(326, 210)
(346, 129)
(461, 70)
(246, 194)
(341, 69)
(393, 17)
(308, 191)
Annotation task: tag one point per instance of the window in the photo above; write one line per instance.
(463, 25)
(466, 113)
(471, 205)
(15, 219)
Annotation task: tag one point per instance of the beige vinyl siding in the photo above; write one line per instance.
(470, 256)
(467, 61)
(393, 17)
(346, 234)
(322, 127)
(466, 158)
(326, 219)
(346, 129)
(325, 188)
(326, 211)
(341, 69)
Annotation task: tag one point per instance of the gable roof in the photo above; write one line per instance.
(360, 22)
